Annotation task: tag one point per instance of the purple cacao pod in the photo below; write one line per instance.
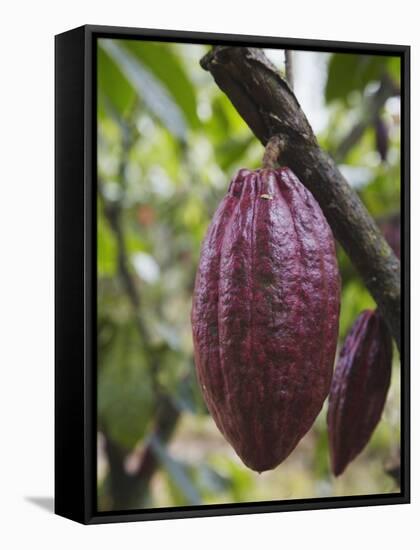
(265, 315)
(359, 388)
(381, 138)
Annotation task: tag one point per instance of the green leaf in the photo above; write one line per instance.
(177, 471)
(211, 481)
(348, 73)
(166, 66)
(187, 395)
(241, 479)
(125, 393)
(113, 87)
(321, 464)
(107, 247)
(383, 193)
(394, 68)
(225, 121)
(149, 88)
(354, 299)
(230, 151)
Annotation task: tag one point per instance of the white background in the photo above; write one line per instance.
(26, 286)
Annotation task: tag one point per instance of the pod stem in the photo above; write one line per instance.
(273, 150)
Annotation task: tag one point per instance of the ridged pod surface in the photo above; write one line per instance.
(359, 388)
(265, 314)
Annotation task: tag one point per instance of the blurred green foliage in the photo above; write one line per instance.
(353, 73)
(169, 142)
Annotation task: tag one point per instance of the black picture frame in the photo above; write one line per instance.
(75, 274)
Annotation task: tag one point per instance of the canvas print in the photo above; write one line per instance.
(248, 283)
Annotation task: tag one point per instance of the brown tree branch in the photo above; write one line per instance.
(268, 105)
(119, 483)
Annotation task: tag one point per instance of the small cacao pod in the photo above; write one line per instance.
(359, 388)
(381, 137)
(265, 314)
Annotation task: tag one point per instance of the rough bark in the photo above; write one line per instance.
(269, 107)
